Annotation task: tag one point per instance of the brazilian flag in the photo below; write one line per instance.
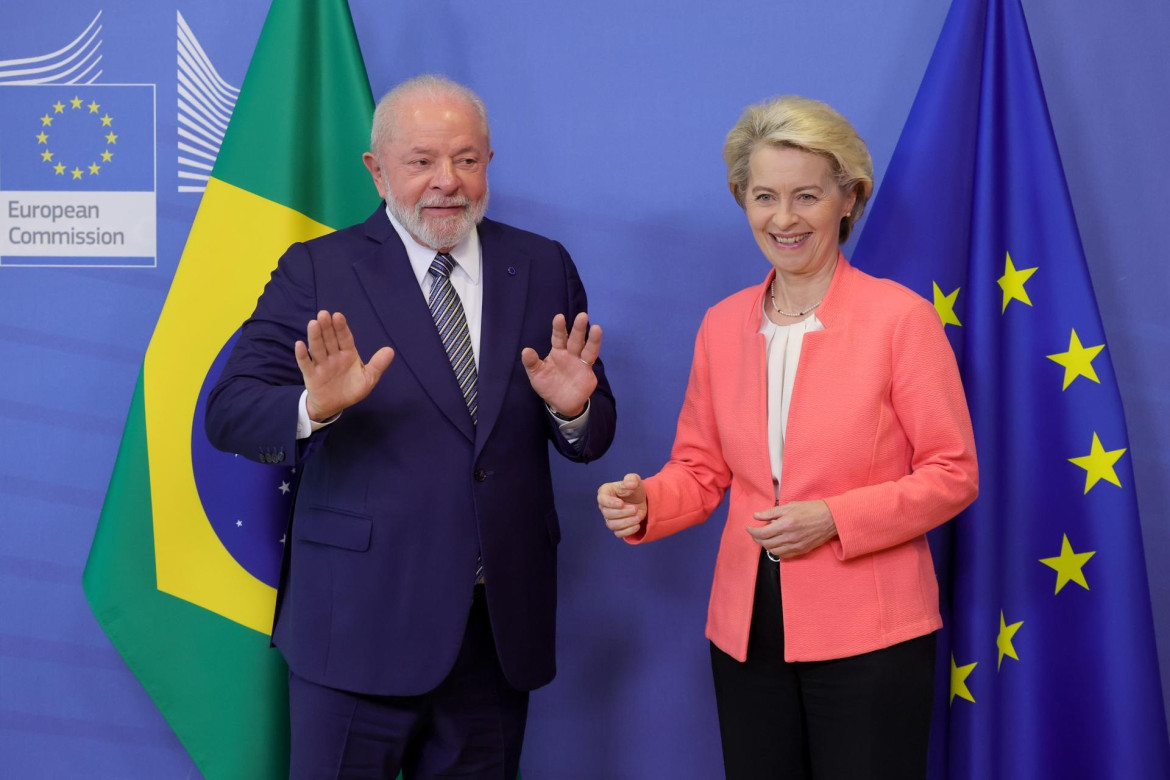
(182, 571)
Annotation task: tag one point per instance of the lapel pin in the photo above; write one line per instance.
(511, 270)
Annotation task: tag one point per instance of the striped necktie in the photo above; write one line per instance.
(451, 322)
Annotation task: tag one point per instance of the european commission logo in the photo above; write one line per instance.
(69, 127)
(77, 175)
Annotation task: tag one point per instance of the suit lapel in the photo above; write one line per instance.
(393, 292)
(506, 275)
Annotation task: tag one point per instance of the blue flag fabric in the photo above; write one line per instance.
(1047, 664)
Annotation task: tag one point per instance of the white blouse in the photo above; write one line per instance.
(782, 348)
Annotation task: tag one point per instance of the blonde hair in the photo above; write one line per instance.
(809, 125)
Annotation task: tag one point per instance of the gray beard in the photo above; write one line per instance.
(443, 233)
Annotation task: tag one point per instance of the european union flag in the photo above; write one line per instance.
(77, 138)
(1047, 664)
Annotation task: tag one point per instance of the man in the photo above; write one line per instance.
(417, 601)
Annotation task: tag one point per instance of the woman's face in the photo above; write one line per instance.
(795, 209)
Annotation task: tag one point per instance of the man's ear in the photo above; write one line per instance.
(371, 163)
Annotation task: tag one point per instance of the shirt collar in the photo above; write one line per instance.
(466, 252)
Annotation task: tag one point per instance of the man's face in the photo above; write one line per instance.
(433, 170)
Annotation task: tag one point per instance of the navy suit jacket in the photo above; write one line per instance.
(398, 496)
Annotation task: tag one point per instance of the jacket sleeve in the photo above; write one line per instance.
(927, 398)
(691, 485)
(252, 410)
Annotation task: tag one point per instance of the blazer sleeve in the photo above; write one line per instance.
(252, 410)
(927, 397)
(692, 484)
(602, 422)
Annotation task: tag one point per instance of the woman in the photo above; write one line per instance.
(830, 403)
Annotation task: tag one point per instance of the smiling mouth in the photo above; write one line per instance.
(789, 240)
(443, 212)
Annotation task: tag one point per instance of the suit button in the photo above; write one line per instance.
(480, 475)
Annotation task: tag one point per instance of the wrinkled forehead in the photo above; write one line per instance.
(414, 118)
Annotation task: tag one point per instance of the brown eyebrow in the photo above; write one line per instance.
(802, 188)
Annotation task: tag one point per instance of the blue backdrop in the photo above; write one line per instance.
(608, 119)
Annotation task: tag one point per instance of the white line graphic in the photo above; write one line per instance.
(206, 102)
(71, 64)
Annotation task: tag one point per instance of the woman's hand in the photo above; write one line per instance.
(623, 505)
(794, 529)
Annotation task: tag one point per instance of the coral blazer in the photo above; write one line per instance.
(878, 428)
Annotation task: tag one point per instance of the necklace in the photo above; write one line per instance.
(790, 314)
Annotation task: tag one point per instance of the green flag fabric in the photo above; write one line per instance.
(182, 571)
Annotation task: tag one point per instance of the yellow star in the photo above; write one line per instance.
(107, 156)
(75, 102)
(46, 121)
(58, 107)
(59, 168)
(945, 306)
(111, 138)
(106, 120)
(1078, 361)
(1012, 283)
(1068, 565)
(1004, 640)
(76, 173)
(42, 137)
(94, 168)
(93, 107)
(1098, 464)
(959, 675)
(47, 156)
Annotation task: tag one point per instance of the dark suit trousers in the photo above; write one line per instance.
(867, 716)
(470, 726)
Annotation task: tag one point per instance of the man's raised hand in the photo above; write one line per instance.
(334, 373)
(565, 378)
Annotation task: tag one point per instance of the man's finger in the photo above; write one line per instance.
(560, 335)
(328, 332)
(577, 336)
(301, 351)
(530, 359)
(344, 334)
(592, 346)
(314, 342)
(380, 361)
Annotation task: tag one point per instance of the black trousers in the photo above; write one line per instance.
(471, 726)
(867, 716)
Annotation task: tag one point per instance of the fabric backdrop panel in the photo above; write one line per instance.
(608, 119)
